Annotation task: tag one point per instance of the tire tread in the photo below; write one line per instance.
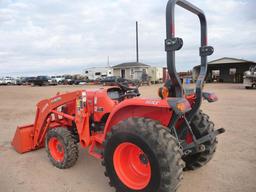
(161, 142)
(70, 144)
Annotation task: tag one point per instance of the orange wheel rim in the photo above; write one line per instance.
(56, 149)
(132, 166)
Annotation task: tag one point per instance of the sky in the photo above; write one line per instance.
(52, 37)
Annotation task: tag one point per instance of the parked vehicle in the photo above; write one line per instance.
(80, 82)
(145, 79)
(42, 80)
(1, 81)
(250, 78)
(59, 79)
(18, 81)
(10, 81)
(7, 81)
(112, 80)
(68, 80)
(27, 80)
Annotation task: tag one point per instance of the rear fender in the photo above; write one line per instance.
(156, 109)
(208, 96)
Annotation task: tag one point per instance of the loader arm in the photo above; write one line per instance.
(47, 107)
(31, 137)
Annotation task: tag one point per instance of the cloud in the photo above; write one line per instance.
(62, 36)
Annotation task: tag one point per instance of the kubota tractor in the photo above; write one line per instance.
(144, 144)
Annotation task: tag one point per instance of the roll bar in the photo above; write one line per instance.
(173, 44)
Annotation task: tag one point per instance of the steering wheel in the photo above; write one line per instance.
(128, 91)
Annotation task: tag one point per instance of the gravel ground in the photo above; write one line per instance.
(233, 167)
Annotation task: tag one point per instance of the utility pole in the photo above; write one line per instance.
(108, 62)
(137, 43)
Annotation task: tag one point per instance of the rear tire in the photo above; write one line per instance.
(61, 148)
(201, 126)
(159, 152)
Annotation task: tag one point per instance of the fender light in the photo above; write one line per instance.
(180, 105)
(163, 92)
(183, 106)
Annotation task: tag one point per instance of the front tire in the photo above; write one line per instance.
(61, 148)
(141, 155)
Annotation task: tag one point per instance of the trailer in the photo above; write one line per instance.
(95, 73)
(156, 74)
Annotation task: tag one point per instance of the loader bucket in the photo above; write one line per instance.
(23, 139)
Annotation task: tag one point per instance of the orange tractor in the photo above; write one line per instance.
(144, 144)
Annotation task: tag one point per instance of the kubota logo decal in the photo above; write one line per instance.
(55, 100)
(44, 108)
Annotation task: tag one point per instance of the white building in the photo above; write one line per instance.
(94, 73)
(156, 74)
(134, 70)
(130, 70)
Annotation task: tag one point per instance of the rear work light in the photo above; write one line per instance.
(163, 92)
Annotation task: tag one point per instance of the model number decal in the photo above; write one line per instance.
(152, 102)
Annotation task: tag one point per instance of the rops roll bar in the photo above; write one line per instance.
(173, 44)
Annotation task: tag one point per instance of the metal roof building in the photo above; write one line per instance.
(129, 65)
(226, 69)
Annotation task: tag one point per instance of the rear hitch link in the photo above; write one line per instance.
(197, 145)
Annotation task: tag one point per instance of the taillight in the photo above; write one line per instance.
(181, 107)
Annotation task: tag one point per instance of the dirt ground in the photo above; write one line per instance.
(233, 167)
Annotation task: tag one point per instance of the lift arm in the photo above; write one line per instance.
(31, 137)
(45, 108)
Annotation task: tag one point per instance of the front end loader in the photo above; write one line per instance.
(144, 144)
